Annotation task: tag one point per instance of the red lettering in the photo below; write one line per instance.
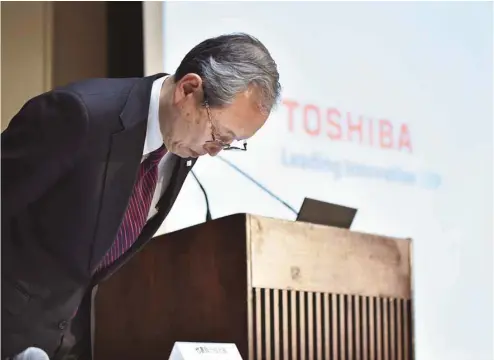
(371, 133)
(386, 134)
(359, 129)
(354, 128)
(404, 140)
(317, 116)
(333, 118)
(291, 105)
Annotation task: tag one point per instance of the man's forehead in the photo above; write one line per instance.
(243, 118)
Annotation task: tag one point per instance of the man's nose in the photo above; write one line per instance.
(214, 152)
(212, 149)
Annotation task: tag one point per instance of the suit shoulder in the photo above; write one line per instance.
(104, 98)
(100, 86)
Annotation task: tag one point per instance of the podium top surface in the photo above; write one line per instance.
(295, 255)
(284, 254)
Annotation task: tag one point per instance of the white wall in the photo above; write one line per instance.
(425, 68)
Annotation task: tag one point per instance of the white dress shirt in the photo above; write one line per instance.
(153, 141)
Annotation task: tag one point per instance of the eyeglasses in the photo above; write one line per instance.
(224, 146)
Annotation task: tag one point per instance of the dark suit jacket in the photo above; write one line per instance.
(69, 162)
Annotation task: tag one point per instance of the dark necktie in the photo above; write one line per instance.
(137, 211)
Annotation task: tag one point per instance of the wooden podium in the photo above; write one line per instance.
(277, 289)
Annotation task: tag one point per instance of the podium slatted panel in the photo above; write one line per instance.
(298, 325)
(279, 290)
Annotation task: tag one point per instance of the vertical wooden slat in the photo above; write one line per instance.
(293, 298)
(372, 328)
(342, 327)
(319, 325)
(379, 329)
(276, 323)
(310, 324)
(284, 301)
(411, 330)
(392, 329)
(385, 316)
(406, 331)
(303, 345)
(250, 324)
(350, 329)
(399, 329)
(258, 323)
(267, 324)
(327, 326)
(358, 327)
(365, 328)
(335, 327)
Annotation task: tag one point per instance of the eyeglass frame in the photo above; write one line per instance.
(213, 130)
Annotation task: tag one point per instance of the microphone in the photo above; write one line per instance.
(258, 184)
(208, 212)
(32, 353)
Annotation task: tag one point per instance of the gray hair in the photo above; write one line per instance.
(229, 65)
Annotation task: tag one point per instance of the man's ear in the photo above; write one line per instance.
(188, 85)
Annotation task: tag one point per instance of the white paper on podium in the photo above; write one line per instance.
(204, 351)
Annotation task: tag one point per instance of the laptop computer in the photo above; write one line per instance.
(323, 213)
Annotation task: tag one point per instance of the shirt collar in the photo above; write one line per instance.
(154, 138)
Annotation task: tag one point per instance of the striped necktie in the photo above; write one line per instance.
(137, 211)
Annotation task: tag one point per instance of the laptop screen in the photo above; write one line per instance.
(323, 213)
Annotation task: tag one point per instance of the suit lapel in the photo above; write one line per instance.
(122, 164)
(180, 172)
